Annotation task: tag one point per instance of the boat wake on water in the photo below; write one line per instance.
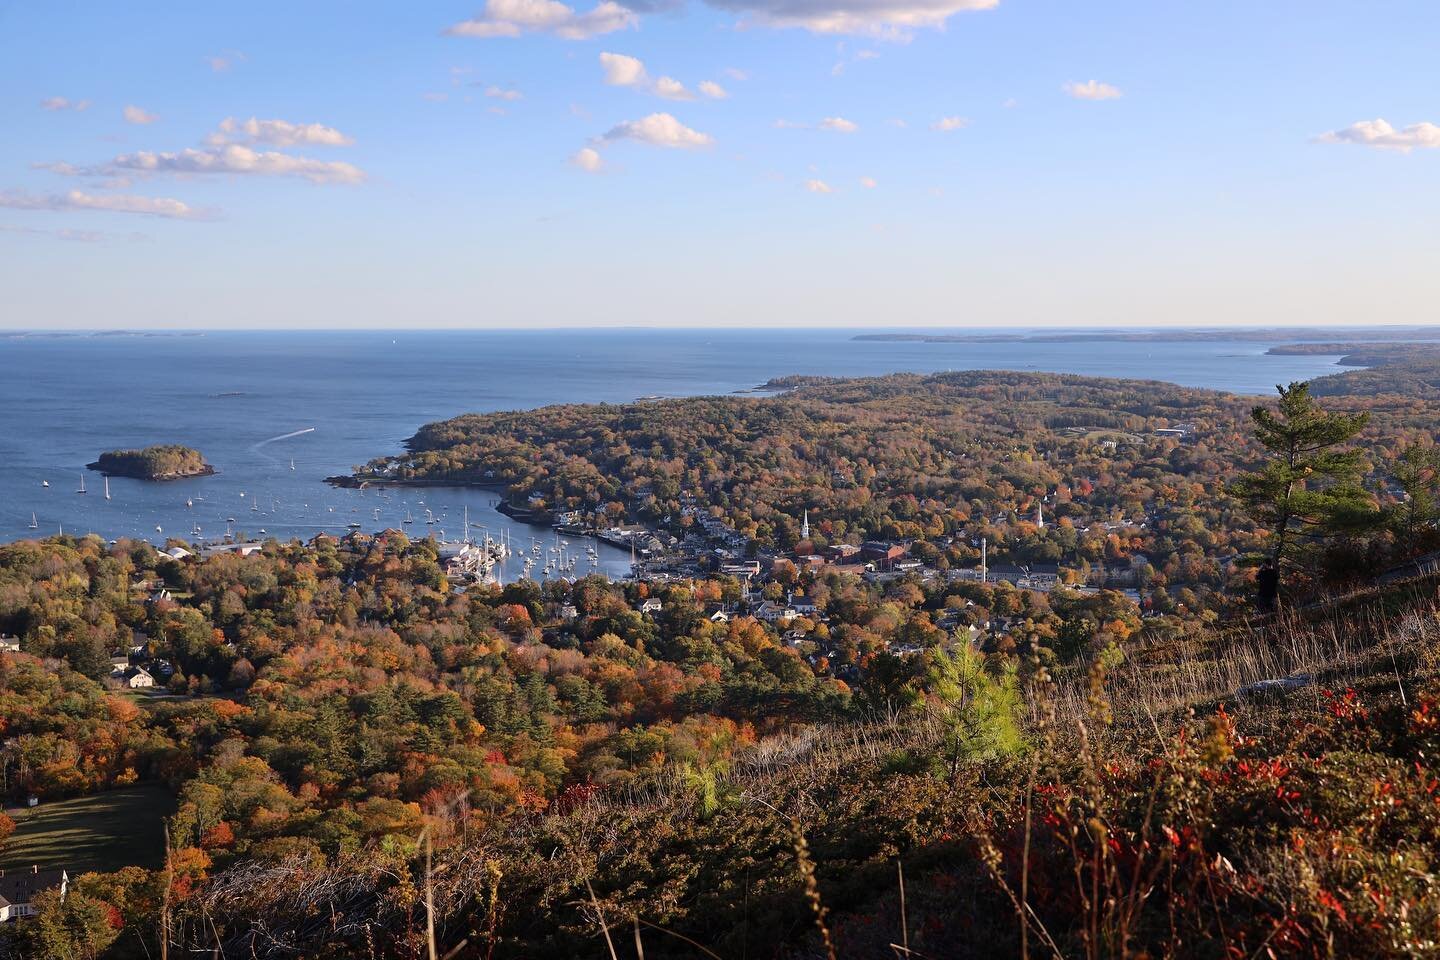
(256, 448)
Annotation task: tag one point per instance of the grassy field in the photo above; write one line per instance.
(105, 832)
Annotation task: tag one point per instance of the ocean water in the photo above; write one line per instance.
(241, 397)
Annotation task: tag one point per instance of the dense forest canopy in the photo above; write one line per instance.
(161, 462)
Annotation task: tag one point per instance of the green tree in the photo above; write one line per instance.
(1309, 488)
(1417, 472)
(981, 708)
(73, 927)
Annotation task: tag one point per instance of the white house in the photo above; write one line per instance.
(138, 677)
(19, 888)
(651, 606)
(9, 644)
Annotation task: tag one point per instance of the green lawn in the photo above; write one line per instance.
(108, 831)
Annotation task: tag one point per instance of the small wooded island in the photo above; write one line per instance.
(161, 462)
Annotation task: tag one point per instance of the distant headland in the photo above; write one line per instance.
(162, 462)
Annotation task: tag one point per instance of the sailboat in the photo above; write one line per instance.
(82, 484)
(292, 463)
(34, 524)
(408, 518)
(44, 483)
(107, 486)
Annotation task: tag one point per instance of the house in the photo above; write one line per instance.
(9, 644)
(19, 888)
(773, 612)
(137, 678)
(569, 612)
(651, 606)
(177, 553)
(119, 666)
(719, 616)
(247, 547)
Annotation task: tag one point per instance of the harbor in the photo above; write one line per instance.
(476, 540)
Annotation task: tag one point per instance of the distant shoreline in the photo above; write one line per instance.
(1300, 337)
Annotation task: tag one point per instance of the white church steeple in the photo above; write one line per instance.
(805, 527)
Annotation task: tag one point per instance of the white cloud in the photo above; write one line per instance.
(234, 159)
(277, 133)
(588, 159)
(626, 71)
(659, 130)
(436, 97)
(112, 203)
(64, 103)
(713, 90)
(623, 71)
(839, 125)
(1092, 90)
(671, 89)
(886, 19)
(946, 124)
(818, 186)
(868, 183)
(511, 18)
(735, 73)
(1380, 134)
(134, 114)
(500, 93)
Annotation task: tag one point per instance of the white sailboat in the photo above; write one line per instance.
(34, 523)
(107, 486)
(82, 484)
(292, 463)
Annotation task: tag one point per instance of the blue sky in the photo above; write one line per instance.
(869, 162)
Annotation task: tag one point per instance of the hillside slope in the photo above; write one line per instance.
(1166, 816)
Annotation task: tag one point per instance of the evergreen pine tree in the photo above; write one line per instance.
(1309, 488)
